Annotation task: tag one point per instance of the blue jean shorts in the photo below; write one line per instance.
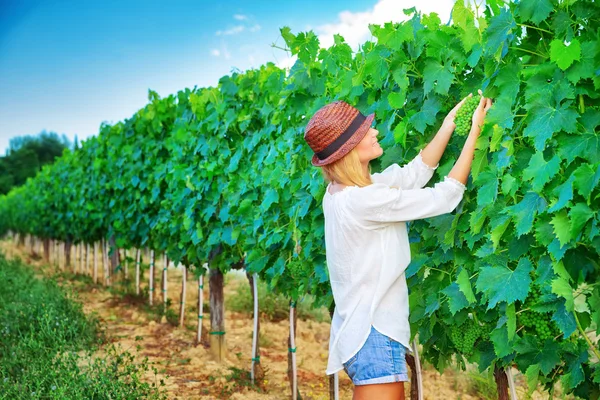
(380, 360)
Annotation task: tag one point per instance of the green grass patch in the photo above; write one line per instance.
(49, 347)
(275, 307)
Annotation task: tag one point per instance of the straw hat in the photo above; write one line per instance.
(334, 130)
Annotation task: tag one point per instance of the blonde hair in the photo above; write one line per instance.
(348, 171)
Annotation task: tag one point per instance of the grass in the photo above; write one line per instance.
(275, 307)
(49, 349)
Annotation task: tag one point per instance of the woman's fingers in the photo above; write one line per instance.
(488, 104)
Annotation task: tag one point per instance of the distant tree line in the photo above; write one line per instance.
(27, 154)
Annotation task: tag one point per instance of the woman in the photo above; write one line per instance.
(366, 238)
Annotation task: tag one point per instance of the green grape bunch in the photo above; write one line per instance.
(464, 115)
(536, 323)
(465, 336)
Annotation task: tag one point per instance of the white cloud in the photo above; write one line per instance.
(255, 28)
(232, 31)
(215, 52)
(240, 17)
(354, 26)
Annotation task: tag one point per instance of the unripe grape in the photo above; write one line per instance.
(464, 115)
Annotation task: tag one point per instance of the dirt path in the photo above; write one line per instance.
(189, 370)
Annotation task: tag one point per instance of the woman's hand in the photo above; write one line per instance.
(449, 120)
(481, 111)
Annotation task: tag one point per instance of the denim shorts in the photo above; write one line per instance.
(380, 360)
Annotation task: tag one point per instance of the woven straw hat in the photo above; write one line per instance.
(334, 130)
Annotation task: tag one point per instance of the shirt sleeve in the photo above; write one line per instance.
(379, 204)
(413, 175)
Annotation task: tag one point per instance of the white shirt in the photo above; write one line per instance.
(367, 252)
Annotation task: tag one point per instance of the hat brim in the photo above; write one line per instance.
(348, 146)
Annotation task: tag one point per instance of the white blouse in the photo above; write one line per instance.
(367, 252)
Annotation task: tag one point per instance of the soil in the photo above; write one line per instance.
(190, 371)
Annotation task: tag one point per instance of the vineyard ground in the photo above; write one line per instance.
(189, 370)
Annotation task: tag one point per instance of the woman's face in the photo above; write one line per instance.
(369, 148)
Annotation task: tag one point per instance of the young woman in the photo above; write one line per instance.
(366, 239)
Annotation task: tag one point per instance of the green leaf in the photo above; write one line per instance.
(540, 171)
(500, 27)
(565, 194)
(579, 214)
(524, 212)
(586, 146)
(400, 132)
(488, 190)
(396, 99)
(534, 10)
(511, 320)
(560, 221)
(464, 284)
(502, 284)
(561, 287)
(479, 162)
(437, 77)
(544, 120)
(502, 344)
(456, 299)
(532, 374)
(564, 55)
(499, 224)
(586, 179)
(565, 320)
(426, 116)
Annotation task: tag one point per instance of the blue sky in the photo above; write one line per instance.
(66, 66)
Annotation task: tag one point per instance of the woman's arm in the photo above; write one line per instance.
(432, 153)
(462, 167)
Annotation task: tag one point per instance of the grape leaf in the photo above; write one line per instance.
(565, 194)
(586, 146)
(534, 10)
(586, 179)
(435, 72)
(464, 284)
(540, 171)
(561, 287)
(456, 299)
(426, 116)
(580, 214)
(511, 320)
(564, 319)
(502, 284)
(500, 27)
(525, 211)
(564, 55)
(544, 120)
(560, 221)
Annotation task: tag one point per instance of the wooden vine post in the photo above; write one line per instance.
(256, 370)
(200, 303)
(183, 295)
(137, 271)
(164, 280)
(151, 278)
(95, 262)
(292, 370)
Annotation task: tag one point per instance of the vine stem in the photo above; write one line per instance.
(529, 51)
(535, 27)
(441, 270)
(587, 339)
